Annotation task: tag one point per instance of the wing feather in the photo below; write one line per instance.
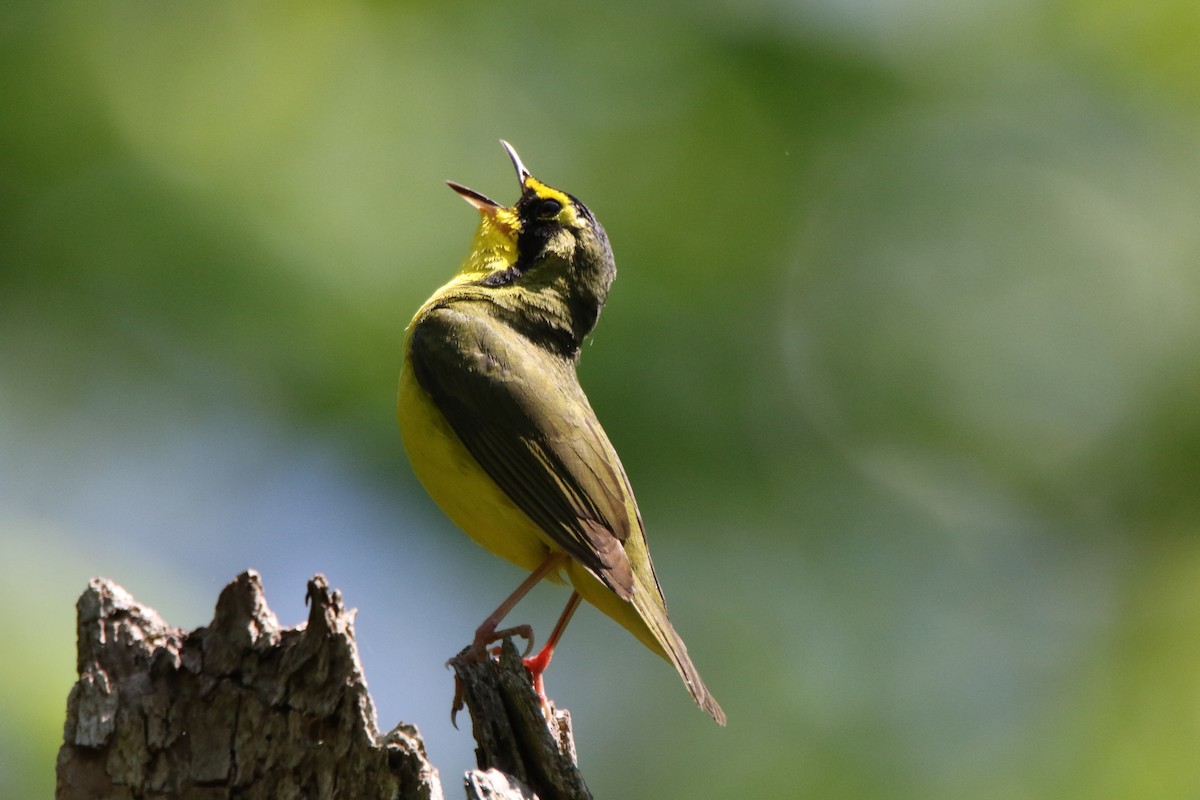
(521, 413)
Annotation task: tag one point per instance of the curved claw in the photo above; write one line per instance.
(478, 650)
(524, 631)
(457, 705)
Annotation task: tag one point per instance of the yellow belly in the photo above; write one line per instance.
(459, 485)
(476, 504)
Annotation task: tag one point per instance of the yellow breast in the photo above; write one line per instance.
(458, 484)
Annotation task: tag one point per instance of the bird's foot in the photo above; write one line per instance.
(481, 648)
(457, 705)
(524, 631)
(536, 666)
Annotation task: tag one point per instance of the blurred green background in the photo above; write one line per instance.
(903, 359)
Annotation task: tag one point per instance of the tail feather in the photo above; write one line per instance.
(676, 652)
(645, 616)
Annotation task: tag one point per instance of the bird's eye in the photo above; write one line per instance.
(548, 208)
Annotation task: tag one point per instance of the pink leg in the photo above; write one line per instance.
(537, 664)
(486, 633)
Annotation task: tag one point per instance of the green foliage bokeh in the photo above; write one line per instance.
(901, 359)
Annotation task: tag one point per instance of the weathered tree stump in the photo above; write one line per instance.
(512, 734)
(243, 708)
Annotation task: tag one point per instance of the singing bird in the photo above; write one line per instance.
(503, 438)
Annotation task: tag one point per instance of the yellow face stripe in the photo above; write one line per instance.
(567, 215)
(495, 244)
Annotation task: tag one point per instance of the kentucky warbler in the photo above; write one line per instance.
(503, 437)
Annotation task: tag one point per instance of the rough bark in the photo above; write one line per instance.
(242, 708)
(513, 735)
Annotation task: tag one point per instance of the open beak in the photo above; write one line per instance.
(487, 205)
(522, 173)
(481, 201)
